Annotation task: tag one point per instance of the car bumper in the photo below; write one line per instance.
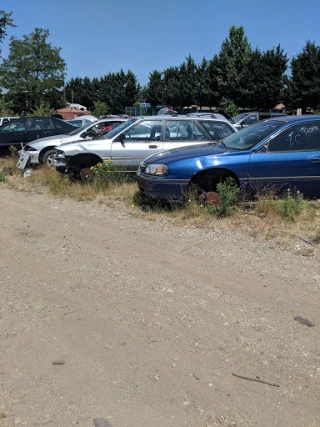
(60, 163)
(33, 156)
(160, 188)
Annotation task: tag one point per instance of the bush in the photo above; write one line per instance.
(292, 205)
(289, 207)
(2, 176)
(106, 173)
(43, 109)
(229, 193)
(13, 151)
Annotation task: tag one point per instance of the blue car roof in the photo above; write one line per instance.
(296, 119)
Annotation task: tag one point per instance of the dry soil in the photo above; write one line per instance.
(144, 324)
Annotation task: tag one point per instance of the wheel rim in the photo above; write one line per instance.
(49, 161)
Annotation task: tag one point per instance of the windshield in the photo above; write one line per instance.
(239, 117)
(78, 129)
(119, 129)
(252, 135)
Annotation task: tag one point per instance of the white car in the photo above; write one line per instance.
(43, 150)
(130, 143)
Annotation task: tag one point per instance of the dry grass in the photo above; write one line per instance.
(265, 221)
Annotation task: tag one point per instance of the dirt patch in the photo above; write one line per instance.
(156, 325)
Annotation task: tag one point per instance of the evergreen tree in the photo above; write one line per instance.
(265, 78)
(188, 82)
(213, 75)
(303, 89)
(202, 89)
(171, 78)
(155, 88)
(234, 57)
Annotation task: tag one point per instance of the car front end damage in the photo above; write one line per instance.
(61, 162)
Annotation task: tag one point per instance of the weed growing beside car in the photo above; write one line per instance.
(290, 206)
(229, 193)
(104, 174)
(13, 151)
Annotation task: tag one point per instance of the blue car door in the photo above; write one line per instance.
(290, 159)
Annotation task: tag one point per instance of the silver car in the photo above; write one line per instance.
(131, 142)
(43, 150)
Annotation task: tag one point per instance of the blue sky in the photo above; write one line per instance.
(99, 36)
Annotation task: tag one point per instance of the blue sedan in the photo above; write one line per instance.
(278, 153)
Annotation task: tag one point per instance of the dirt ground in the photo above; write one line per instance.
(145, 324)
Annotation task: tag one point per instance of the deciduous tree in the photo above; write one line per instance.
(33, 69)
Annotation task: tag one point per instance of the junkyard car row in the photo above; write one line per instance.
(131, 142)
(172, 153)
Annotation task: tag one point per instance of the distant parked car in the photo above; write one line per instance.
(279, 153)
(249, 118)
(79, 122)
(89, 117)
(78, 107)
(43, 150)
(131, 142)
(4, 120)
(214, 115)
(27, 129)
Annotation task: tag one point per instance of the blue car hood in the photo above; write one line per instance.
(188, 152)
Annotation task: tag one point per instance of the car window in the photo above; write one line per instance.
(147, 130)
(183, 130)
(217, 130)
(78, 123)
(239, 117)
(63, 127)
(111, 124)
(18, 125)
(250, 119)
(250, 136)
(301, 137)
(119, 129)
(42, 123)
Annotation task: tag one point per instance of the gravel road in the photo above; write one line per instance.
(107, 319)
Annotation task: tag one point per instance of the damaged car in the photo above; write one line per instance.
(138, 138)
(43, 150)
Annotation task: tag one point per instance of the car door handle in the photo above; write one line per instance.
(153, 146)
(314, 159)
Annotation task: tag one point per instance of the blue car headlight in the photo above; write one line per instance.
(155, 169)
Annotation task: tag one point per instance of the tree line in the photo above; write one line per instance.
(238, 77)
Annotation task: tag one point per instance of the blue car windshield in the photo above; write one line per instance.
(119, 129)
(252, 135)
